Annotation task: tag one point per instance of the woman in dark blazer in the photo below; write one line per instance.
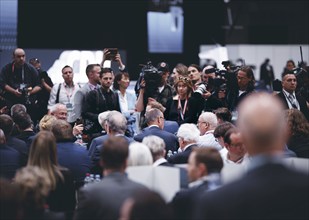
(186, 106)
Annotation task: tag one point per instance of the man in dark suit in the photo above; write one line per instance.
(115, 125)
(188, 136)
(71, 155)
(204, 167)
(6, 124)
(269, 189)
(155, 121)
(103, 200)
(288, 97)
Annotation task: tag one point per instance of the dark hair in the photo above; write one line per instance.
(34, 61)
(286, 72)
(22, 120)
(221, 129)
(66, 66)
(106, 70)
(90, 67)
(114, 152)
(6, 124)
(196, 67)
(290, 61)
(62, 130)
(227, 136)
(224, 114)
(149, 205)
(118, 77)
(249, 72)
(210, 157)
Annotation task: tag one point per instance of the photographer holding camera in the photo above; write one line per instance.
(46, 85)
(152, 86)
(20, 81)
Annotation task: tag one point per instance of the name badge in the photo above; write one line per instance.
(69, 106)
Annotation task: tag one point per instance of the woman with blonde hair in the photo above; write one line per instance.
(186, 106)
(43, 153)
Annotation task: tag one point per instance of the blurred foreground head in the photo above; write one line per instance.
(262, 125)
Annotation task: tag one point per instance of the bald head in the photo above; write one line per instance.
(261, 122)
(19, 57)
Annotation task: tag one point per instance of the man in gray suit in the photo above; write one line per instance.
(93, 74)
(103, 200)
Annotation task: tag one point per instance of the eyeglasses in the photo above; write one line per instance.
(161, 117)
(201, 122)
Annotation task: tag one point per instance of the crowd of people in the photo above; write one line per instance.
(196, 120)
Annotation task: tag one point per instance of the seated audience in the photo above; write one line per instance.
(139, 155)
(269, 190)
(35, 187)
(188, 136)
(207, 123)
(6, 124)
(43, 154)
(155, 121)
(103, 200)
(10, 159)
(158, 152)
(145, 205)
(71, 155)
(204, 167)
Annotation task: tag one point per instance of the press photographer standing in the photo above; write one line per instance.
(20, 81)
(46, 85)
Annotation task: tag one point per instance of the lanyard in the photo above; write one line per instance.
(182, 110)
(70, 93)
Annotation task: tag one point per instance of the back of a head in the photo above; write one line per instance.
(43, 153)
(115, 152)
(22, 120)
(102, 117)
(297, 122)
(221, 129)
(139, 155)
(6, 124)
(10, 200)
(224, 114)
(211, 119)
(18, 108)
(152, 115)
(35, 186)
(189, 132)
(62, 130)
(43, 150)
(149, 205)
(264, 134)
(116, 122)
(46, 122)
(210, 157)
(155, 144)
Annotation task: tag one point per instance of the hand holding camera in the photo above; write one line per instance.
(202, 88)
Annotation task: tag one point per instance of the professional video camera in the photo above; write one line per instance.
(152, 77)
(25, 93)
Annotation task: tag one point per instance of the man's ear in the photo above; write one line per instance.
(202, 169)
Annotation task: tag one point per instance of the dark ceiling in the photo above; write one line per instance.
(120, 23)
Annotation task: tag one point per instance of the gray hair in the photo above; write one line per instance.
(152, 115)
(139, 155)
(102, 117)
(188, 132)
(211, 119)
(18, 108)
(155, 144)
(57, 106)
(117, 122)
